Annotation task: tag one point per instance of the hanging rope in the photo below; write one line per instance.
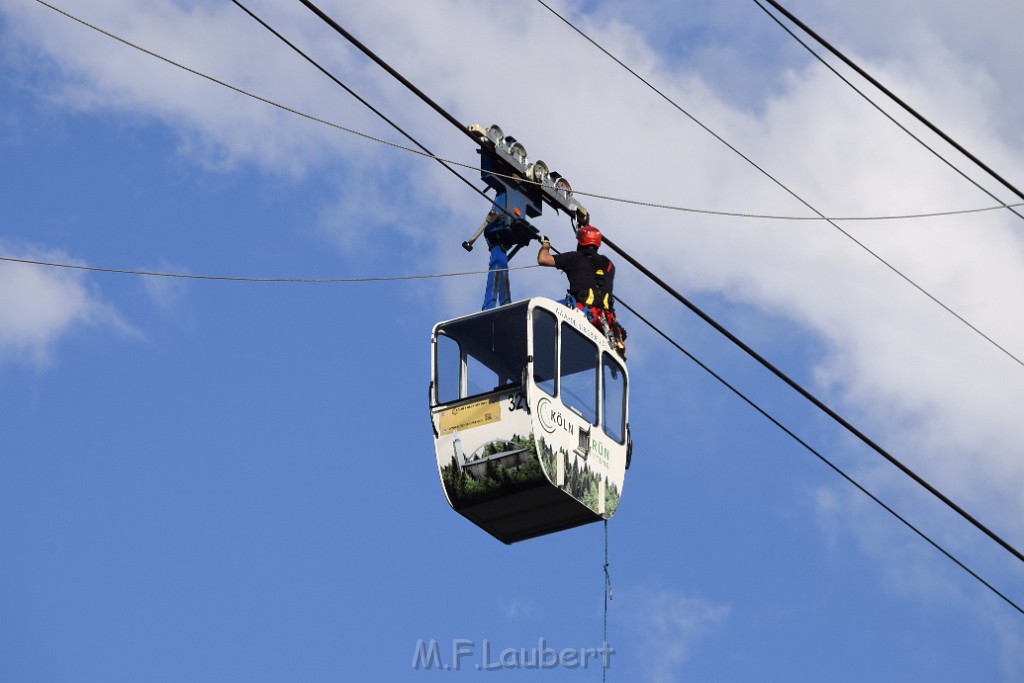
(607, 597)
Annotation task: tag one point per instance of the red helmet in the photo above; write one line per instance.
(588, 235)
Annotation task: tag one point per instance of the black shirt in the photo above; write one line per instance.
(582, 273)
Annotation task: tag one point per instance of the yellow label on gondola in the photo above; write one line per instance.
(470, 415)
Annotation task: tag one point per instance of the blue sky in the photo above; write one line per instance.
(225, 481)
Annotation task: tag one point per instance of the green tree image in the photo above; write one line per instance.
(611, 499)
(547, 459)
(465, 488)
(580, 481)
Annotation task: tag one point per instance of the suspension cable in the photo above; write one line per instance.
(639, 316)
(471, 167)
(835, 468)
(353, 93)
(249, 278)
(722, 330)
(886, 114)
(793, 384)
(394, 125)
(387, 67)
(891, 95)
(704, 316)
(789, 191)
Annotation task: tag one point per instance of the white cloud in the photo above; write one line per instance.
(40, 305)
(217, 126)
(669, 626)
(915, 378)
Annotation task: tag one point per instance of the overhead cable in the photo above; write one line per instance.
(625, 305)
(791, 434)
(619, 251)
(329, 280)
(247, 278)
(886, 114)
(742, 345)
(638, 315)
(426, 152)
(891, 95)
(785, 188)
(793, 384)
(353, 94)
(387, 67)
(452, 162)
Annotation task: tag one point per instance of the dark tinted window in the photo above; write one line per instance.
(449, 365)
(545, 338)
(613, 405)
(578, 374)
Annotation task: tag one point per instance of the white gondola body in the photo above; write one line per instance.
(529, 410)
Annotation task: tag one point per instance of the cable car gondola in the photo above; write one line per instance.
(528, 403)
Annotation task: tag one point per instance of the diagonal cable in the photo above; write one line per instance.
(891, 95)
(785, 188)
(764, 362)
(351, 92)
(723, 331)
(470, 167)
(835, 468)
(886, 114)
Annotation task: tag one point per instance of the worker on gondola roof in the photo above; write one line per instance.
(591, 280)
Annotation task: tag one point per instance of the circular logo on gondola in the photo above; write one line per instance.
(544, 415)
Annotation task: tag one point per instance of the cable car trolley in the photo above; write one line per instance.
(529, 406)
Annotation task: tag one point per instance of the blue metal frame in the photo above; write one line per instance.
(509, 230)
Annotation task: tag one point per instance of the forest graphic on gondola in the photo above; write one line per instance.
(581, 482)
(498, 468)
(505, 466)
